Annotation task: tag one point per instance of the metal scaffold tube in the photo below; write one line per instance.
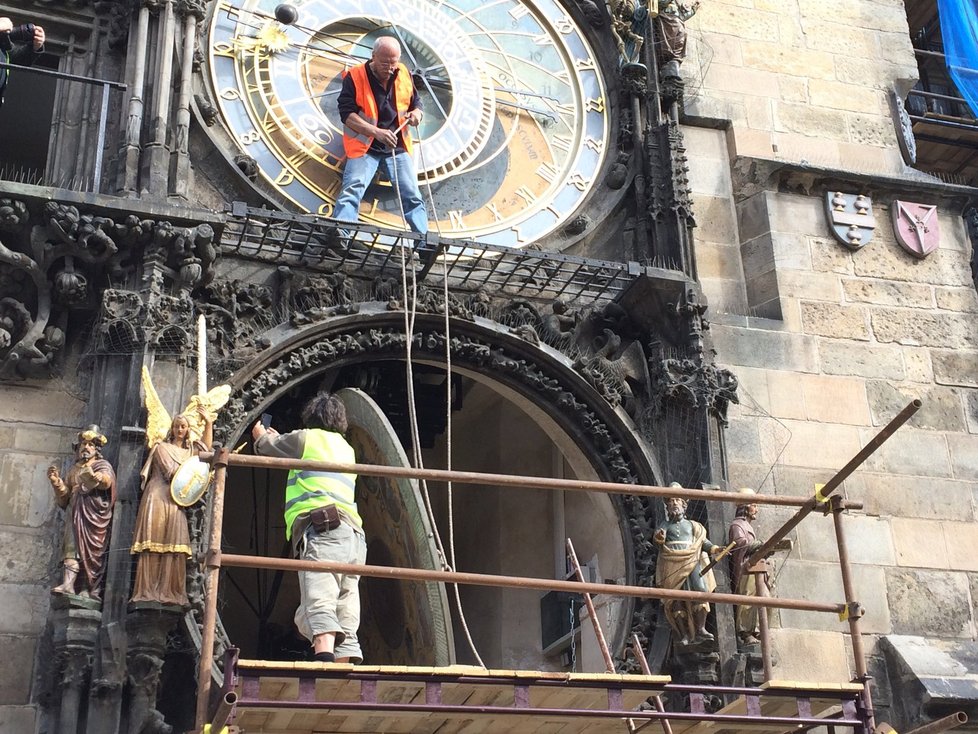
(234, 560)
(513, 480)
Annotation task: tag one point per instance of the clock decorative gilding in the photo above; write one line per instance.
(516, 118)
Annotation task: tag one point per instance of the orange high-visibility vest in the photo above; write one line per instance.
(356, 144)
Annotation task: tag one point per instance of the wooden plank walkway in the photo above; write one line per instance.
(314, 698)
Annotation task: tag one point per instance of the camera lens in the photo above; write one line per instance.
(22, 33)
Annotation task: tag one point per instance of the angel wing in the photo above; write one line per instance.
(211, 401)
(157, 419)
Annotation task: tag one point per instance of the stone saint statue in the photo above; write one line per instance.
(87, 494)
(684, 551)
(742, 536)
(161, 538)
(671, 22)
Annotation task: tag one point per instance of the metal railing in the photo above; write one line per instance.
(106, 86)
(285, 237)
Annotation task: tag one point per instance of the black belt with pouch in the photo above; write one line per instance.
(324, 519)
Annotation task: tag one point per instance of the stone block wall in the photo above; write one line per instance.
(36, 426)
(802, 80)
(828, 343)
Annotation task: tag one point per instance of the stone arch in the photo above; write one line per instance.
(604, 433)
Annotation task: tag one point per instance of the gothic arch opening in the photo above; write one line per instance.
(497, 426)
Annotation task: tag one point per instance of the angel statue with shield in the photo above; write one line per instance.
(173, 478)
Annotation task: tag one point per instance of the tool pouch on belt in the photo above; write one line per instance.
(325, 518)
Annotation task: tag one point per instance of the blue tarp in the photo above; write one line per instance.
(959, 29)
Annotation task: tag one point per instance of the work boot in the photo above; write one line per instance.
(68, 585)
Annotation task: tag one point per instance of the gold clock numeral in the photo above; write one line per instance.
(519, 235)
(578, 181)
(562, 143)
(299, 159)
(519, 11)
(555, 211)
(326, 209)
(595, 105)
(455, 217)
(247, 138)
(547, 172)
(222, 48)
(494, 210)
(230, 94)
(526, 195)
(594, 144)
(543, 39)
(332, 188)
(586, 64)
(564, 25)
(293, 163)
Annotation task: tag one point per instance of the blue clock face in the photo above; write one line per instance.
(516, 119)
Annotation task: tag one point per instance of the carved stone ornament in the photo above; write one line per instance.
(904, 128)
(694, 383)
(850, 218)
(56, 258)
(916, 228)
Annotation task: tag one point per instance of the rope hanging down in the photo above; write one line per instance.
(410, 315)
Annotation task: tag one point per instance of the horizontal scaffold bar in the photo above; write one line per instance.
(516, 582)
(513, 480)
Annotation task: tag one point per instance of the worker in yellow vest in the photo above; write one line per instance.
(377, 100)
(322, 521)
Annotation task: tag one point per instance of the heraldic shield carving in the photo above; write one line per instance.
(915, 227)
(850, 218)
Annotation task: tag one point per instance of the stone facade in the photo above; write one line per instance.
(829, 344)
(785, 100)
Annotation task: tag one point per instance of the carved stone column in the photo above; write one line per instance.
(156, 154)
(192, 12)
(75, 624)
(148, 628)
(128, 177)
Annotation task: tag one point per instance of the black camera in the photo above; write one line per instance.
(22, 33)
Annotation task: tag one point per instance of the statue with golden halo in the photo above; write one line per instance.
(173, 478)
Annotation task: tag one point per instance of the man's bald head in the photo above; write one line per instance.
(385, 57)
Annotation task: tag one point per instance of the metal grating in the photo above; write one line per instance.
(367, 252)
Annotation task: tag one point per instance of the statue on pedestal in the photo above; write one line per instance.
(744, 540)
(684, 553)
(172, 478)
(87, 494)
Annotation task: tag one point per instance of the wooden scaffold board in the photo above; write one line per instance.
(316, 698)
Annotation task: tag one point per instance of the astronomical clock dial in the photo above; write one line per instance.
(516, 119)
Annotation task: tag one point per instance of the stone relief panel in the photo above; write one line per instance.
(56, 260)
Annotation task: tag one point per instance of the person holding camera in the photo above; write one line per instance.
(322, 521)
(19, 45)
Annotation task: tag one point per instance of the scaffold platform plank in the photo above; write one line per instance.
(307, 697)
(312, 698)
(781, 699)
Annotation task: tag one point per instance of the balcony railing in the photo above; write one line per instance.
(106, 87)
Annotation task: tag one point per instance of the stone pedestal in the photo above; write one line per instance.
(75, 622)
(148, 626)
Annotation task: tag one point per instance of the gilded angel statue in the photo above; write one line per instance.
(172, 478)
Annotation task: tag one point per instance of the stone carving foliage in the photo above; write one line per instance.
(695, 383)
(54, 259)
(238, 314)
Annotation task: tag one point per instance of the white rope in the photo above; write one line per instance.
(409, 322)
